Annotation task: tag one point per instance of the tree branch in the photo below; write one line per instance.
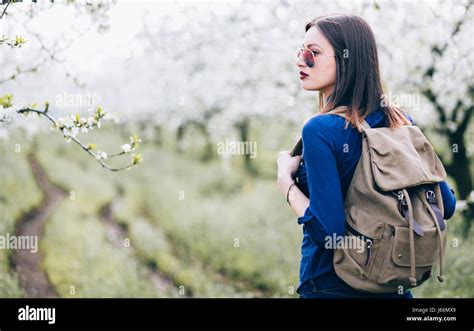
(20, 71)
(5, 10)
(77, 141)
(465, 120)
(428, 93)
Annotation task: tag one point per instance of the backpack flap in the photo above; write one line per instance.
(402, 158)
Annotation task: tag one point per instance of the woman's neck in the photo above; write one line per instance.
(324, 97)
(326, 92)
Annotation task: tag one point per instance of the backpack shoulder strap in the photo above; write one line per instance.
(365, 125)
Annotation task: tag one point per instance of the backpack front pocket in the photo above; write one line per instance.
(360, 246)
(396, 268)
(360, 250)
(426, 248)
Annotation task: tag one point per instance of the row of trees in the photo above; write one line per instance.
(221, 67)
(230, 68)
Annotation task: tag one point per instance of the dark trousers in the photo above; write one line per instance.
(331, 286)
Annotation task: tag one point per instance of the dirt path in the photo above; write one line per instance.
(28, 265)
(117, 234)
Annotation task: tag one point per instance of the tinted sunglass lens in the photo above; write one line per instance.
(308, 58)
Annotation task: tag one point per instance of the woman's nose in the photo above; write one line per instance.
(300, 62)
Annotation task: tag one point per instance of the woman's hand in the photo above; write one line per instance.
(287, 166)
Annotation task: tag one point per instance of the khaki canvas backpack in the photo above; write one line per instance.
(394, 212)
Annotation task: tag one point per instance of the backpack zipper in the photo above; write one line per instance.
(369, 241)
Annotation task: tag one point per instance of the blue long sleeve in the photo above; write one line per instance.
(325, 213)
(449, 200)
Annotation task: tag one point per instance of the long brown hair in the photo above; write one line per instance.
(358, 85)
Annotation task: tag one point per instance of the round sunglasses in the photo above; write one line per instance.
(308, 56)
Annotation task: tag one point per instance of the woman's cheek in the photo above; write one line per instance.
(324, 77)
(314, 81)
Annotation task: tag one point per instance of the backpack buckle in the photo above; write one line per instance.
(400, 196)
(430, 196)
(403, 209)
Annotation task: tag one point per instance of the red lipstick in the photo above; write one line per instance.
(303, 75)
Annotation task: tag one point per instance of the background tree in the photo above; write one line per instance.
(73, 124)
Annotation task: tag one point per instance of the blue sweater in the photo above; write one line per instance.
(330, 156)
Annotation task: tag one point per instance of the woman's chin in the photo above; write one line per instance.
(309, 87)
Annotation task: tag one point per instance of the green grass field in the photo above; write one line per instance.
(213, 230)
(206, 227)
(18, 195)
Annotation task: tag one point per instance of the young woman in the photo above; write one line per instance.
(338, 59)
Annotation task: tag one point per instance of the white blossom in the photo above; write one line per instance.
(90, 122)
(74, 131)
(126, 148)
(101, 155)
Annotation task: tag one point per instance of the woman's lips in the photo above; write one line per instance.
(303, 75)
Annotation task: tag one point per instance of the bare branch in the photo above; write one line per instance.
(5, 10)
(20, 71)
